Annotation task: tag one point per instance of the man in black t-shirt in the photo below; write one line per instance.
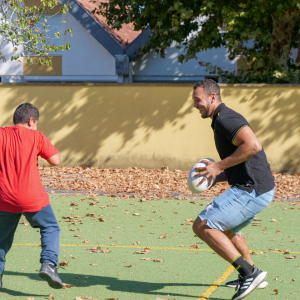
(244, 165)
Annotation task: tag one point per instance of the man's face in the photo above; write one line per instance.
(202, 102)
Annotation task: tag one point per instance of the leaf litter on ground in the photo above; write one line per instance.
(143, 183)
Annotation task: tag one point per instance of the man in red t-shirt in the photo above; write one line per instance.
(21, 190)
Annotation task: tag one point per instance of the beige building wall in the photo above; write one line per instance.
(40, 70)
(37, 3)
(151, 126)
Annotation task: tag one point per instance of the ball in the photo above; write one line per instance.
(194, 182)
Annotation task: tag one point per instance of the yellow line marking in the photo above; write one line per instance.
(142, 247)
(216, 284)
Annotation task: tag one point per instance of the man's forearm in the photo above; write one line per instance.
(241, 154)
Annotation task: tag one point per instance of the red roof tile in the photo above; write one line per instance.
(124, 36)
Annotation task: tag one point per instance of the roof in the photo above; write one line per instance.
(125, 41)
(124, 36)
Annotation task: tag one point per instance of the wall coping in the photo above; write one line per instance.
(222, 85)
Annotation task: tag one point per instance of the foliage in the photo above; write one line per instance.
(262, 32)
(27, 29)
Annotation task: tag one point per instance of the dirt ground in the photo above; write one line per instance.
(144, 183)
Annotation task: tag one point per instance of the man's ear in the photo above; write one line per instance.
(213, 98)
(30, 122)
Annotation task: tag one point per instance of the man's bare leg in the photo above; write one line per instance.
(216, 240)
(240, 244)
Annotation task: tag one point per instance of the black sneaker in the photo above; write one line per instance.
(248, 283)
(49, 273)
(235, 283)
(1, 281)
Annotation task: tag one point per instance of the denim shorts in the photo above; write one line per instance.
(235, 209)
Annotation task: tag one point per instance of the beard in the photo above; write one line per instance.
(205, 115)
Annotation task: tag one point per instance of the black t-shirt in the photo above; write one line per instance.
(255, 172)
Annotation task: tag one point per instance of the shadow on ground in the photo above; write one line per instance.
(110, 283)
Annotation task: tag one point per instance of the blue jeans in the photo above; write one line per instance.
(235, 209)
(45, 220)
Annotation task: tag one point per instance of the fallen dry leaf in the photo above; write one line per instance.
(273, 220)
(128, 266)
(51, 296)
(67, 285)
(105, 250)
(255, 224)
(94, 249)
(158, 260)
(163, 236)
(94, 264)
(101, 219)
(194, 247)
(146, 258)
(90, 215)
(29, 298)
(146, 250)
(86, 241)
(64, 263)
(275, 291)
(291, 257)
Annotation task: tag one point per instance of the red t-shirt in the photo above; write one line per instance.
(21, 189)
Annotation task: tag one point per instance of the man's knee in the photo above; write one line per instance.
(199, 227)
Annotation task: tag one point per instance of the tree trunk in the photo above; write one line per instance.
(298, 55)
(282, 35)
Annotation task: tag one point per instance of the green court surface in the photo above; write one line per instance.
(130, 226)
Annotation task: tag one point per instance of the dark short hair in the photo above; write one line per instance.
(24, 113)
(209, 86)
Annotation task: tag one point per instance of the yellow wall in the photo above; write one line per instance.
(154, 125)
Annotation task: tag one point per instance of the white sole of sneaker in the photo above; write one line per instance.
(257, 281)
(263, 285)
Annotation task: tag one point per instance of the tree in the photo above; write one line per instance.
(27, 30)
(259, 31)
